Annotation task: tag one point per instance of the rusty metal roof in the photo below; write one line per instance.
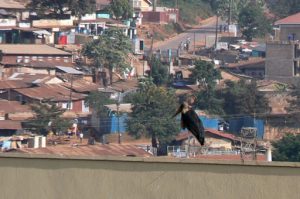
(82, 86)
(13, 107)
(31, 49)
(54, 92)
(10, 125)
(11, 4)
(90, 150)
(11, 84)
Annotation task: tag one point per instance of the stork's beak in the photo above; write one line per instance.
(179, 110)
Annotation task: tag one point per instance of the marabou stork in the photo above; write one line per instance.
(191, 121)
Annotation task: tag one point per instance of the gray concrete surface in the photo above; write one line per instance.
(58, 177)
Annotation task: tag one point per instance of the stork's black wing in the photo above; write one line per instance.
(193, 123)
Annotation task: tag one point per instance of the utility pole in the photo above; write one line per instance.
(194, 42)
(217, 24)
(230, 13)
(118, 119)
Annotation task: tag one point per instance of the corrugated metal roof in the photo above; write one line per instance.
(185, 135)
(82, 86)
(13, 107)
(125, 108)
(69, 70)
(90, 150)
(11, 84)
(31, 49)
(53, 92)
(10, 125)
(11, 4)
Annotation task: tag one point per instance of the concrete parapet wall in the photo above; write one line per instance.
(28, 176)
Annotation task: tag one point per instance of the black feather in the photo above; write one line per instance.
(192, 122)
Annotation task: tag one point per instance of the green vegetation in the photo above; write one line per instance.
(287, 149)
(47, 117)
(151, 114)
(97, 101)
(120, 9)
(158, 72)
(109, 51)
(253, 22)
(189, 9)
(284, 8)
(244, 98)
(61, 7)
(206, 75)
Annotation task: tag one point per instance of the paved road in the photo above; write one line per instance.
(199, 33)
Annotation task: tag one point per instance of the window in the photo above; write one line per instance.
(85, 107)
(67, 105)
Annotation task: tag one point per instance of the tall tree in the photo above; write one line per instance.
(97, 101)
(158, 71)
(287, 149)
(244, 98)
(57, 8)
(253, 22)
(120, 9)
(109, 51)
(207, 76)
(152, 112)
(48, 117)
(284, 8)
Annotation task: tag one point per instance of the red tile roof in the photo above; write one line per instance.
(90, 150)
(293, 19)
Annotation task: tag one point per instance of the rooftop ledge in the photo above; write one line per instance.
(151, 160)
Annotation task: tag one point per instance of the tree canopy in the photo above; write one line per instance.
(97, 101)
(244, 98)
(158, 71)
(48, 117)
(207, 75)
(120, 9)
(152, 112)
(57, 8)
(109, 51)
(284, 8)
(253, 22)
(287, 149)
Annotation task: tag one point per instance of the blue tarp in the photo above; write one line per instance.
(235, 125)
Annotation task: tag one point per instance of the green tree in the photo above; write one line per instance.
(58, 8)
(207, 76)
(294, 105)
(152, 112)
(109, 51)
(97, 101)
(48, 117)
(120, 9)
(158, 71)
(244, 98)
(287, 149)
(253, 22)
(284, 8)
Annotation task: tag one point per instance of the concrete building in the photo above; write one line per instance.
(283, 54)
